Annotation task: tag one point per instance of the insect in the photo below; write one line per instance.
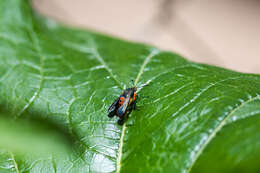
(123, 105)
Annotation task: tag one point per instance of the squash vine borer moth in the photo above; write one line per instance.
(123, 105)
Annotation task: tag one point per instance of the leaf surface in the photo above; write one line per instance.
(191, 116)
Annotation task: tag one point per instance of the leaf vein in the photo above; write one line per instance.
(217, 129)
(36, 94)
(93, 50)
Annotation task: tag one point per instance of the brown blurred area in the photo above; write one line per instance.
(219, 32)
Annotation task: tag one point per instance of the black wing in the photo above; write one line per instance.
(113, 106)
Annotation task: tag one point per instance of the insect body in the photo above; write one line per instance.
(123, 105)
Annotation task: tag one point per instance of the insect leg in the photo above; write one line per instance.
(134, 103)
(120, 121)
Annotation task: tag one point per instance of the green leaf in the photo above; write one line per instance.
(23, 136)
(191, 117)
(29, 140)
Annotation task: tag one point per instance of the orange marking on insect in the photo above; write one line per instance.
(121, 100)
(134, 97)
(130, 101)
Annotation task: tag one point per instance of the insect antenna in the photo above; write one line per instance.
(143, 85)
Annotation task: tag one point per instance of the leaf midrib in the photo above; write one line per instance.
(14, 162)
(146, 61)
